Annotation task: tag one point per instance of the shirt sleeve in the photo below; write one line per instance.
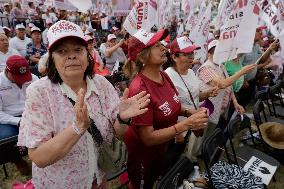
(29, 51)
(206, 74)
(145, 119)
(36, 125)
(103, 49)
(6, 118)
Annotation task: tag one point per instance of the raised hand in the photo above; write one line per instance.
(81, 111)
(197, 121)
(248, 68)
(133, 106)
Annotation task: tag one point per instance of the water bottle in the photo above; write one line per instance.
(195, 174)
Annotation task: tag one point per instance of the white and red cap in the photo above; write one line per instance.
(35, 29)
(182, 45)
(212, 44)
(110, 37)
(64, 29)
(88, 38)
(143, 39)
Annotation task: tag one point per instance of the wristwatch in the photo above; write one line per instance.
(121, 121)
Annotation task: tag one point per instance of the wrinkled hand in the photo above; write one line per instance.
(81, 111)
(133, 106)
(212, 92)
(197, 121)
(121, 41)
(248, 68)
(239, 108)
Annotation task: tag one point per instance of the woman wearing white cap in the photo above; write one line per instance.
(188, 87)
(63, 152)
(149, 133)
(213, 74)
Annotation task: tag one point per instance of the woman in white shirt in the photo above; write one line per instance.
(188, 87)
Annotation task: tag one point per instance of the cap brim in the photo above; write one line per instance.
(261, 28)
(21, 79)
(160, 35)
(111, 38)
(190, 49)
(64, 38)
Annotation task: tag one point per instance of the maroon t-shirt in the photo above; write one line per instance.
(163, 112)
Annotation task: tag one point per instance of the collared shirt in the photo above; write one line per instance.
(207, 72)
(251, 58)
(20, 45)
(32, 50)
(12, 100)
(5, 56)
(48, 112)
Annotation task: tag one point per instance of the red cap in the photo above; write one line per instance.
(261, 27)
(143, 39)
(182, 45)
(19, 68)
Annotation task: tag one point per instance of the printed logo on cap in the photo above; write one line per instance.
(23, 70)
(63, 27)
(184, 42)
(143, 36)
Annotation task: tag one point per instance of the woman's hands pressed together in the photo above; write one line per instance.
(81, 111)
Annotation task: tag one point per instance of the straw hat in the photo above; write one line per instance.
(273, 134)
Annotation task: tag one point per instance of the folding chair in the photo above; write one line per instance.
(243, 154)
(260, 116)
(275, 94)
(212, 150)
(263, 96)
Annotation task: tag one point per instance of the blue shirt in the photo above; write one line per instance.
(32, 50)
(251, 58)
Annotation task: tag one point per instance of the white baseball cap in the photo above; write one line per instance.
(110, 37)
(182, 45)
(212, 44)
(31, 25)
(35, 29)
(143, 39)
(20, 26)
(64, 29)
(6, 4)
(88, 38)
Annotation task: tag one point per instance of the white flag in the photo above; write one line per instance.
(187, 5)
(82, 6)
(224, 9)
(143, 15)
(237, 35)
(199, 35)
(271, 15)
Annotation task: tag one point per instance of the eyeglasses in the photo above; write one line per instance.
(65, 51)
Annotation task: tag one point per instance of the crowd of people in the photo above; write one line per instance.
(56, 98)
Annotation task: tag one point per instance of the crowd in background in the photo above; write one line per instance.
(231, 86)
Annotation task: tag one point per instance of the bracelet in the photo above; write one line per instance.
(77, 130)
(121, 121)
(185, 113)
(177, 133)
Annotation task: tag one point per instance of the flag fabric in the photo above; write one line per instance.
(199, 34)
(224, 9)
(237, 34)
(143, 15)
(271, 15)
(82, 6)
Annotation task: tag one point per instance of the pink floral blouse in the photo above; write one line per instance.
(48, 112)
